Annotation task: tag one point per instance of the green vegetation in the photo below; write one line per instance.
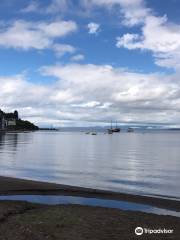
(25, 125)
(12, 122)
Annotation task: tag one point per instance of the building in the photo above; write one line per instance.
(2, 121)
(8, 120)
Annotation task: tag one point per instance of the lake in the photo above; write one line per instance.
(141, 162)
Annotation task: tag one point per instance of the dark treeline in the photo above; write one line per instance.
(11, 121)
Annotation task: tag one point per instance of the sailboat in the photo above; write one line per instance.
(116, 129)
(112, 130)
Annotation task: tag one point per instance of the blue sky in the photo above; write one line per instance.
(74, 63)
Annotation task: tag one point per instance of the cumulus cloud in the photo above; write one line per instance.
(126, 95)
(93, 28)
(16, 90)
(62, 49)
(133, 11)
(77, 58)
(158, 36)
(94, 93)
(130, 41)
(40, 35)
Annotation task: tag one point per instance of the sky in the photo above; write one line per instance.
(87, 62)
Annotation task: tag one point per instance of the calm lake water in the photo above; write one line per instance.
(142, 163)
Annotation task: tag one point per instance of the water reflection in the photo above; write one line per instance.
(136, 163)
(9, 142)
(2, 140)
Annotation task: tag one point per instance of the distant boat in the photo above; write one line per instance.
(110, 131)
(130, 129)
(116, 129)
(87, 132)
(113, 130)
(93, 133)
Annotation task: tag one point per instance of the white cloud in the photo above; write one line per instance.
(160, 37)
(62, 49)
(57, 29)
(77, 58)
(23, 35)
(130, 41)
(90, 104)
(17, 90)
(133, 11)
(31, 7)
(39, 35)
(169, 59)
(157, 35)
(55, 6)
(127, 96)
(86, 92)
(93, 28)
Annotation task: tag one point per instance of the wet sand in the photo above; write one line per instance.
(22, 220)
(17, 186)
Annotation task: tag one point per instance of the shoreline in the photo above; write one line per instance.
(17, 186)
(31, 221)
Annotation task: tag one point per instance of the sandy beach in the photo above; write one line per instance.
(23, 220)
